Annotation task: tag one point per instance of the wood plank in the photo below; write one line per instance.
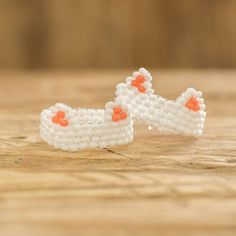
(166, 184)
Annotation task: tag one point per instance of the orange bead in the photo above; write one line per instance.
(135, 83)
(141, 89)
(116, 117)
(192, 100)
(117, 110)
(140, 79)
(123, 115)
(64, 123)
(61, 114)
(55, 119)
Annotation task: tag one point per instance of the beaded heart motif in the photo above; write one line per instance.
(59, 119)
(118, 114)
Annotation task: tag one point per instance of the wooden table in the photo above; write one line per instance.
(158, 185)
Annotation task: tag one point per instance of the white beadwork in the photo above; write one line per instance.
(157, 112)
(87, 128)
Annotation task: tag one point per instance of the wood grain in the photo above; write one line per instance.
(158, 185)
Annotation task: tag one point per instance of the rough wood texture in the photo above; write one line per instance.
(158, 185)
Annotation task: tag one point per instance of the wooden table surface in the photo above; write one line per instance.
(158, 185)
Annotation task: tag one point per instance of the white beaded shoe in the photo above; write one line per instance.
(74, 129)
(184, 115)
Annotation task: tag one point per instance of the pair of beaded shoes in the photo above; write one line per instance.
(75, 129)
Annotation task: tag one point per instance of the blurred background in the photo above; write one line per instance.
(72, 34)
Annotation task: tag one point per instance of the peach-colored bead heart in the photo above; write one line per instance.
(118, 114)
(193, 104)
(138, 83)
(59, 118)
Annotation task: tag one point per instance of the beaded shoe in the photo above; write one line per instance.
(74, 129)
(185, 115)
